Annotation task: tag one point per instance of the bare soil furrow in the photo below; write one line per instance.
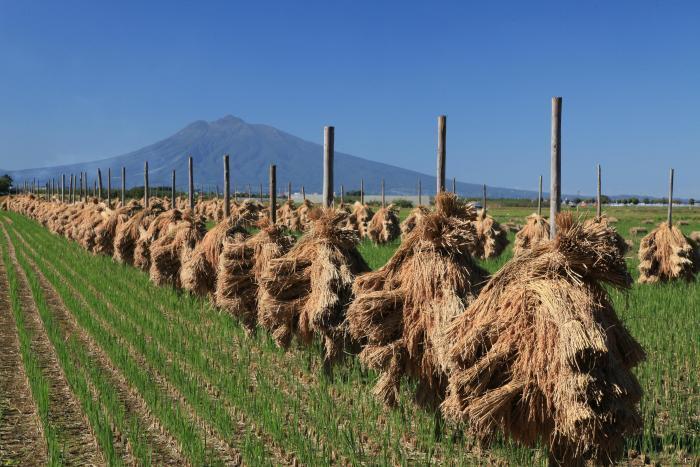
(77, 438)
(21, 435)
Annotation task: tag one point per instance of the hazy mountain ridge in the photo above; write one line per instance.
(252, 147)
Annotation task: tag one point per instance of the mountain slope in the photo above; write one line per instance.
(252, 148)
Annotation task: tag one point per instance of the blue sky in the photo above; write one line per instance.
(85, 80)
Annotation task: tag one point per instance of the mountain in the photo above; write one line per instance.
(252, 147)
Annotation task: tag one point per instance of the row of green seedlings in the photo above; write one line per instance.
(107, 414)
(170, 413)
(664, 318)
(325, 406)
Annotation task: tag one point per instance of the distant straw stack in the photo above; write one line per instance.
(535, 230)
(384, 226)
(666, 255)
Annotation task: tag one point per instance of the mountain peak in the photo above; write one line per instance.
(228, 120)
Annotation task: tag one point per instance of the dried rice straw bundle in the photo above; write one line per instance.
(384, 226)
(491, 238)
(288, 216)
(240, 266)
(128, 233)
(149, 234)
(413, 218)
(541, 355)
(535, 230)
(666, 254)
(250, 212)
(401, 310)
(106, 231)
(167, 251)
(360, 218)
(303, 212)
(307, 291)
(200, 265)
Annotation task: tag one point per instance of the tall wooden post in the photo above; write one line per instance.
(94, 188)
(454, 185)
(235, 193)
(539, 199)
(342, 194)
(670, 199)
(289, 191)
(99, 184)
(227, 189)
(250, 193)
(82, 182)
(173, 192)
(383, 197)
(123, 185)
(145, 184)
(362, 191)
(483, 198)
(555, 189)
(420, 193)
(273, 193)
(190, 183)
(261, 193)
(109, 187)
(63, 188)
(328, 150)
(303, 193)
(441, 152)
(598, 203)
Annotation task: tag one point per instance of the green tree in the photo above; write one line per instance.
(691, 201)
(5, 183)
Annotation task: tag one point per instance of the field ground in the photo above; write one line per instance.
(98, 365)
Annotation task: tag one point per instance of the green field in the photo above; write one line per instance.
(161, 377)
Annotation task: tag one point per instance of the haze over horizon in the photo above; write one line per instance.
(82, 82)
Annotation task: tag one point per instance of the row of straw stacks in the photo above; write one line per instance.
(535, 352)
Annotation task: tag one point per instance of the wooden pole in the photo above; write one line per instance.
(173, 192)
(483, 198)
(328, 149)
(99, 184)
(441, 152)
(261, 193)
(303, 193)
(342, 194)
(109, 187)
(63, 188)
(273, 193)
(598, 201)
(670, 199)
(190, 184)
(250, 193)
(123, 185)
(227, 189)
(235, 193)
(289, 191)
(82, 181)
(94, 188)
(383, 197)
(454, 185)
(145, 184)
(555, 189)
(539, 199)
(420, 193)
(362, 191)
